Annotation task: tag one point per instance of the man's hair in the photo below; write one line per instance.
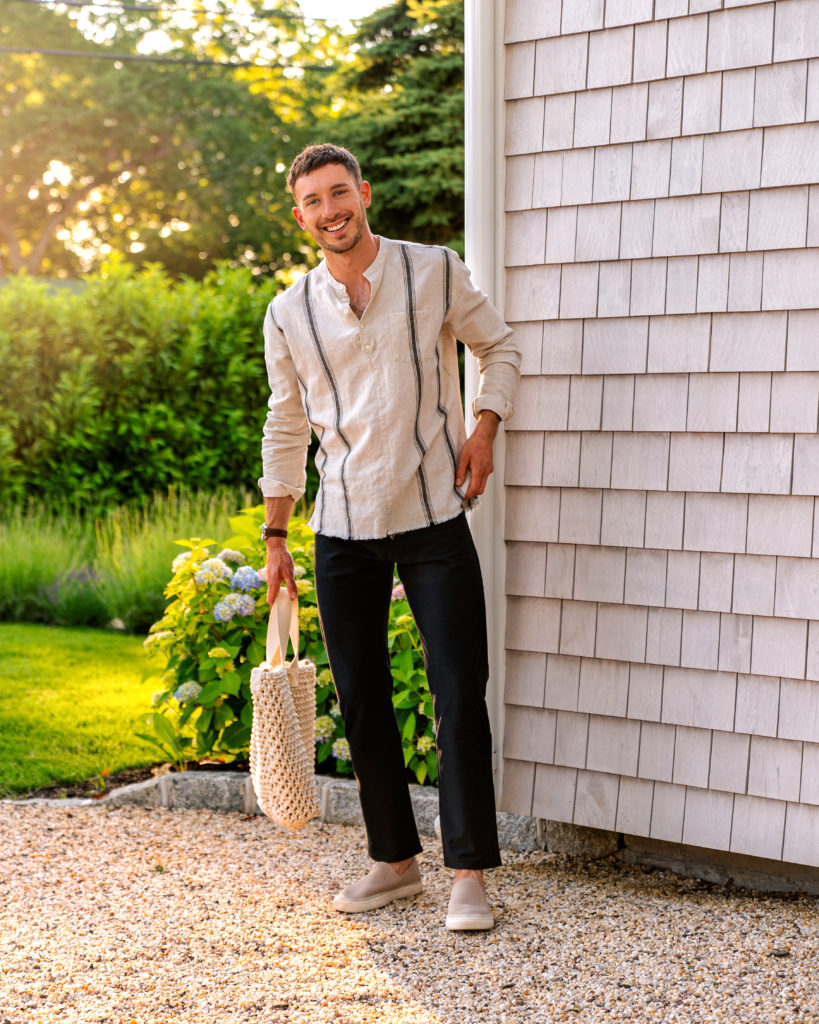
(313, 157)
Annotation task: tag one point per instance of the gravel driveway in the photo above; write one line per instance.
(137, 916)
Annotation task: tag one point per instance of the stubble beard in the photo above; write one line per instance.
(360, 224)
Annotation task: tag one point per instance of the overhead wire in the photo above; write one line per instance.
(153, 9)
(148, 59)
(158, 59)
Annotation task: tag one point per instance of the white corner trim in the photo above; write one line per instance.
(484, 257)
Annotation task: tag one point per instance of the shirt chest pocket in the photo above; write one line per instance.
(413, 336)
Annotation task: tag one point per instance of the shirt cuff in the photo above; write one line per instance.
(276, 489)
(494, 403)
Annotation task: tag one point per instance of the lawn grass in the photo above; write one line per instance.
(68, 703)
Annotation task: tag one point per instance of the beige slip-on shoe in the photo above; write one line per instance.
(469, 910)
(379, 887)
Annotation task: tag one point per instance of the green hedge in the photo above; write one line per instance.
(130, 384)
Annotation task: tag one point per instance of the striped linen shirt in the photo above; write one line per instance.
(382, 392)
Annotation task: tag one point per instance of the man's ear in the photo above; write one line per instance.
(366, 194)
(297, 214)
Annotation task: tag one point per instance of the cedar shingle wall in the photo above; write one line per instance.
(662, 254)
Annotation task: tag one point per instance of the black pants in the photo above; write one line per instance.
(439, 568)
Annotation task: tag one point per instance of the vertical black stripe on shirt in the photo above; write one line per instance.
(273, 318)
(409, 288)
(442, 412)
(321, 449)
(331, 380)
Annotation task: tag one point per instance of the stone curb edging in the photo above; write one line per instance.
(233, 791)
(338, 802)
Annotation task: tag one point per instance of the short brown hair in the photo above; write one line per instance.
(313, 157)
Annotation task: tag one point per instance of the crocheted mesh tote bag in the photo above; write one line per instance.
(283, 730)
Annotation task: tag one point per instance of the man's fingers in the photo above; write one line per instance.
(460, 472)
(481, 471)
(476, 486)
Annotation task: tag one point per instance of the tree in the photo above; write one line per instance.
(172, 163)
(184, 165)
(404, 119)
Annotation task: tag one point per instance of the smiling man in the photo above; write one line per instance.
(363, 351)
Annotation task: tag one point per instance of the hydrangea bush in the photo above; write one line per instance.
(213, 633)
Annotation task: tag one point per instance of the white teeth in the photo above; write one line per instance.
(338, 226)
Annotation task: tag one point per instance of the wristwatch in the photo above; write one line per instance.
(272, 531)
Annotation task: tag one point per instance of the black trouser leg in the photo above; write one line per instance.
(353, 587)
(441, 573)
(445, 591)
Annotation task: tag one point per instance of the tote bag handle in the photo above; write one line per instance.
(282, 624)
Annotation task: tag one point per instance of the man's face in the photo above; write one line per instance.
(331, 207)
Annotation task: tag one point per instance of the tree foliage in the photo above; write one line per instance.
(404, 118)
(184, 165)
(173, 163)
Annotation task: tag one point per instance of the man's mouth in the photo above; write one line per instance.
(339, 225)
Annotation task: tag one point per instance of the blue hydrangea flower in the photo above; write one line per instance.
(424, 744)
(154, 638)
(341, 750)
(229, 555)
(205, 576)
(180, 560)
(239, 604)
(245, 578)
(325, 728)
(398, 592)
(187, 691)
(220, 569)
(222, 612)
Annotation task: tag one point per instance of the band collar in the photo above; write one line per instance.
(373, 273)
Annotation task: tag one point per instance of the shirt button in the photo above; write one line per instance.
(367, 348)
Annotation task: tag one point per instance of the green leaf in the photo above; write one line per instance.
(221, 716)
(236, 736)
(231, 683)
(164, 730)
(204, 720)
(242, 526)
(408, 732)
(256, 653)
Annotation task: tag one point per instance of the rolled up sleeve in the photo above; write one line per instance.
(476, 322)
(286, 433)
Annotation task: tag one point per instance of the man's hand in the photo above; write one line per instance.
(280, 569)
(476, 454)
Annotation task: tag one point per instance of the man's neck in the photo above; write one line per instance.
(348, 267)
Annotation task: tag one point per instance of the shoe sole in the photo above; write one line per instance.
(470, 922)
(379, 899)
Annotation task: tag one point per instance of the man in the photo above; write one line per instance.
(362, 349)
